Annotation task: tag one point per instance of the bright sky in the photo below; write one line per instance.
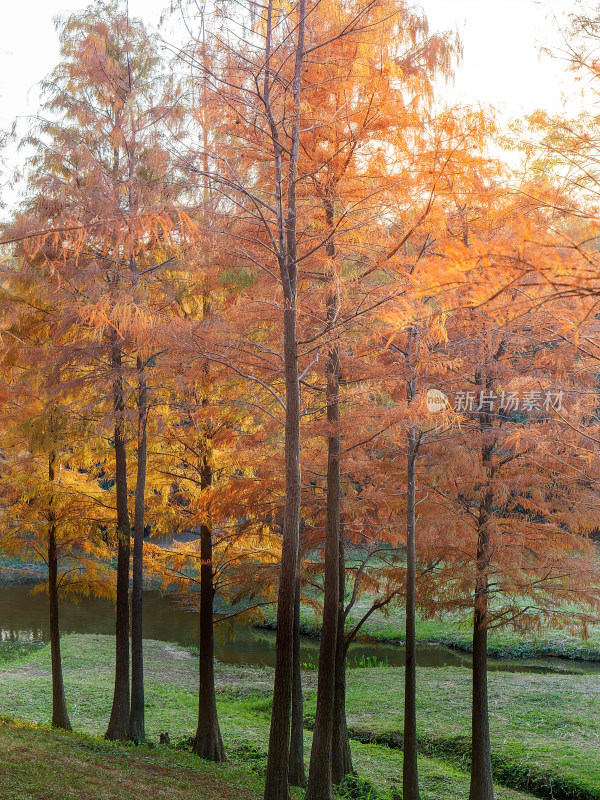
(501, 62)
(501, 65)
(29, 47)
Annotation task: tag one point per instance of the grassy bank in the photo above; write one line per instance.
(453, 630)
(37, 763)
(542, 726)
(16, 570)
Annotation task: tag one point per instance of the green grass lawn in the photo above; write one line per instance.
(545, 728)
(547, 725)
(52, 765)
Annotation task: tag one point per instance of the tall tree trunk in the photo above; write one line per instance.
(137, 730)
(320, 772)
(208, 743)
(410, 775)
(276, 785)
(60, 716)
(119, 717)
(276, 780)
(341, 755)
(482, 787)
(297, 775)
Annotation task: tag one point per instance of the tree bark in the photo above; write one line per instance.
(137, 730)
(341, 755)
(320, 772)
(119, 717)
(208, 743)
(482, 787)
(297, 775)
(276, 785)
(60, 716)
(277, 773)
(410, 775)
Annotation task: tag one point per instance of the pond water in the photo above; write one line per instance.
(24, 617)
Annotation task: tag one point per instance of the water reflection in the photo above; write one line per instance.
(24, 617)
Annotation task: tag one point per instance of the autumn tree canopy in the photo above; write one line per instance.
(279, 328)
